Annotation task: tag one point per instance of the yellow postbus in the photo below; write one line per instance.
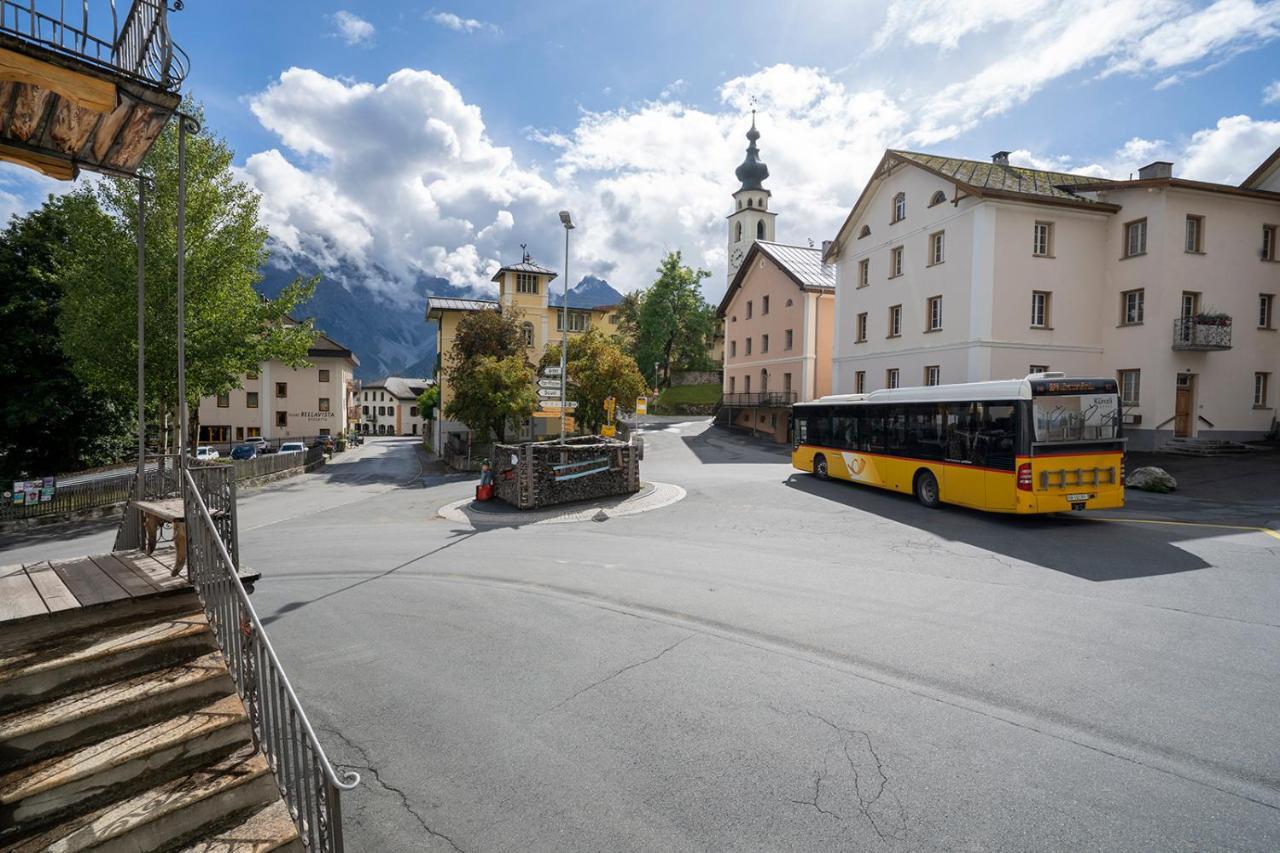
(1045, 443)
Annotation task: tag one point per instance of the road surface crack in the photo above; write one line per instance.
(614, 675)
(387, 786)
(876, 800)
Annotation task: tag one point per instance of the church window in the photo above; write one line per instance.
(527, 331)
(865, 232)
(737, 232)
(749, 203)
(760, 230)
(938, 198)
(739, 204)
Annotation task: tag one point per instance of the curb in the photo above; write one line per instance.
(662, 495)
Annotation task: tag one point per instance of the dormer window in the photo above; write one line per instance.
(526, 282)
(899, 207)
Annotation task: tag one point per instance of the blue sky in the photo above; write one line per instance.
(409, 137)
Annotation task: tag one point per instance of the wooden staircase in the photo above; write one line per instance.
(121, 730)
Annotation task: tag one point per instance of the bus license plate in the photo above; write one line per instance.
(1075, 499)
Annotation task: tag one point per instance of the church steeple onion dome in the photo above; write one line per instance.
(753, 171)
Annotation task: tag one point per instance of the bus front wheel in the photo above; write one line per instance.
(927, 489)
(820, 467)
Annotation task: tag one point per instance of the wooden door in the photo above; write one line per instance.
(1182, 412)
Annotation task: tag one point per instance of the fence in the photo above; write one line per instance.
(547, 473)
(308, 781)
(94, 491)
(275, 463)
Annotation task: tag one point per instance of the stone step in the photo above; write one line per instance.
(71, 721)
(269, 830)
(38, 794)
(54, 667)
(168, 814)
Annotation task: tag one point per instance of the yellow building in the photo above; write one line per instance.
(525, 289)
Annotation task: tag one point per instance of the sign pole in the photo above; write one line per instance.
(564, 333)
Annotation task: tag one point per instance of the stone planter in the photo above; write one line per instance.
(546, 473)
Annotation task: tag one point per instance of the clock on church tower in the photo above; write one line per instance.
(751, 219)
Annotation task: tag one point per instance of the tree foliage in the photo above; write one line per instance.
(491, 392)
(490, 379)
(230, 328)
(675, 325)
(428, 402)
(49, 423)
(599, 369)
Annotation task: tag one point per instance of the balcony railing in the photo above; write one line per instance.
(760, 398)
(1202, 334)
(135, 45)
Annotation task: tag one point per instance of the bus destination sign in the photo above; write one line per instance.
(1073, 386)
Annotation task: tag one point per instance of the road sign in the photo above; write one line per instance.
(549, 383)
(608, 430)
(549, 392)
(555, 404)
(550, 371)
(642, 405)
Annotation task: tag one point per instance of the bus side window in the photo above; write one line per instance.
(962, 433)
(844, 431)
(996, 438)
(820, 427)
(799, 431)
(923, 425)
(871, 429)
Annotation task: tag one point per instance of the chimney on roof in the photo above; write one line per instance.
(826, 247)
(1158, 169)
(1000, 158)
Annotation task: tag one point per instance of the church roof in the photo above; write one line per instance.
(801, 264)
(752, 171)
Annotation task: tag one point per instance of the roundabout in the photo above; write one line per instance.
(500, 514)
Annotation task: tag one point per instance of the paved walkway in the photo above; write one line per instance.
(650, 497)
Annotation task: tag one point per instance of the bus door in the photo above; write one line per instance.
(964, 481)
(997, 441)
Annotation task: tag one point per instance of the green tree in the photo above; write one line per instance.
(428, 402)
(490, 379)
(599, 369)
(675, 324)
(628, 311)
(230, 328)
(49, 423)
(491, 392)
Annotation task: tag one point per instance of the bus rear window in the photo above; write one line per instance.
(1084, 417)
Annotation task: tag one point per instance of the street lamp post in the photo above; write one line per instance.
(567, 222)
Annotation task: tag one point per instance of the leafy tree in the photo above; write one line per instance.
(428, 402)
(230, 328)
(491, 392)
(675, 324)
(628, 311)
(485, 365)
(599, 369)
(49, 423)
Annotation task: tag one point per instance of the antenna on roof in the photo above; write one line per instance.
(810, 242)
(524, 247)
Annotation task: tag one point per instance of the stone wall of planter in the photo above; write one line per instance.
(546, 473)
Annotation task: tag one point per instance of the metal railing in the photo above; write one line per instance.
(140, 47)
(310, 785)
(1201, 333)
(760, 398)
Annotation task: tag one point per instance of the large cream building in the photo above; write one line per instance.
(390, 406)
(953, 270)
(280, 402)
(524, 289)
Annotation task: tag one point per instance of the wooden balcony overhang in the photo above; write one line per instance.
(59, 115)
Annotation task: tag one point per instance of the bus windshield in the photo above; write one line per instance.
(1077, 417)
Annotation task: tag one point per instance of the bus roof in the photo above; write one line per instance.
(1000, 389)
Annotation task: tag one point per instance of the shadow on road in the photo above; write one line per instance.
(1094, 550)
(715, 446)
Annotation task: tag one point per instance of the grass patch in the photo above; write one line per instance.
(687, 395)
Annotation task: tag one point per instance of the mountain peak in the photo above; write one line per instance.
(590, 292)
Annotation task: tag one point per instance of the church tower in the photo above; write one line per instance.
(751, 219)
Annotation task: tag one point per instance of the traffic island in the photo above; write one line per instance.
(541, 474)
(649, 497)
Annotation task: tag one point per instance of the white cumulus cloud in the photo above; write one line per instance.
(352, 28)
(457, 23)
(1271, 94)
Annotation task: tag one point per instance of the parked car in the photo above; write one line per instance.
(207, 453)
(257, 441)
(244, 451)
(293, 447)
(325, 441)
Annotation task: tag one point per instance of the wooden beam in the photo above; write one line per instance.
(86, 90)
(45, 164)
(28, 110)
(70, 126)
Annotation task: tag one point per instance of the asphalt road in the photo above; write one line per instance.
(774, 663)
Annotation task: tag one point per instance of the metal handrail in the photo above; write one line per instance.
(308, 781)
(141, 48)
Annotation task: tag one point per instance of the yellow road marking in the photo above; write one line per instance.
(1250, 528)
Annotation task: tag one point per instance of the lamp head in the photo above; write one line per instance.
(565, 220)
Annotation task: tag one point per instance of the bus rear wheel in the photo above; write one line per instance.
(927, 490)
(820, 467)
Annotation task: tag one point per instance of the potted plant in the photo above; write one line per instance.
(1212, 318)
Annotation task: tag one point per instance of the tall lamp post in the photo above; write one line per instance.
(567, 222)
